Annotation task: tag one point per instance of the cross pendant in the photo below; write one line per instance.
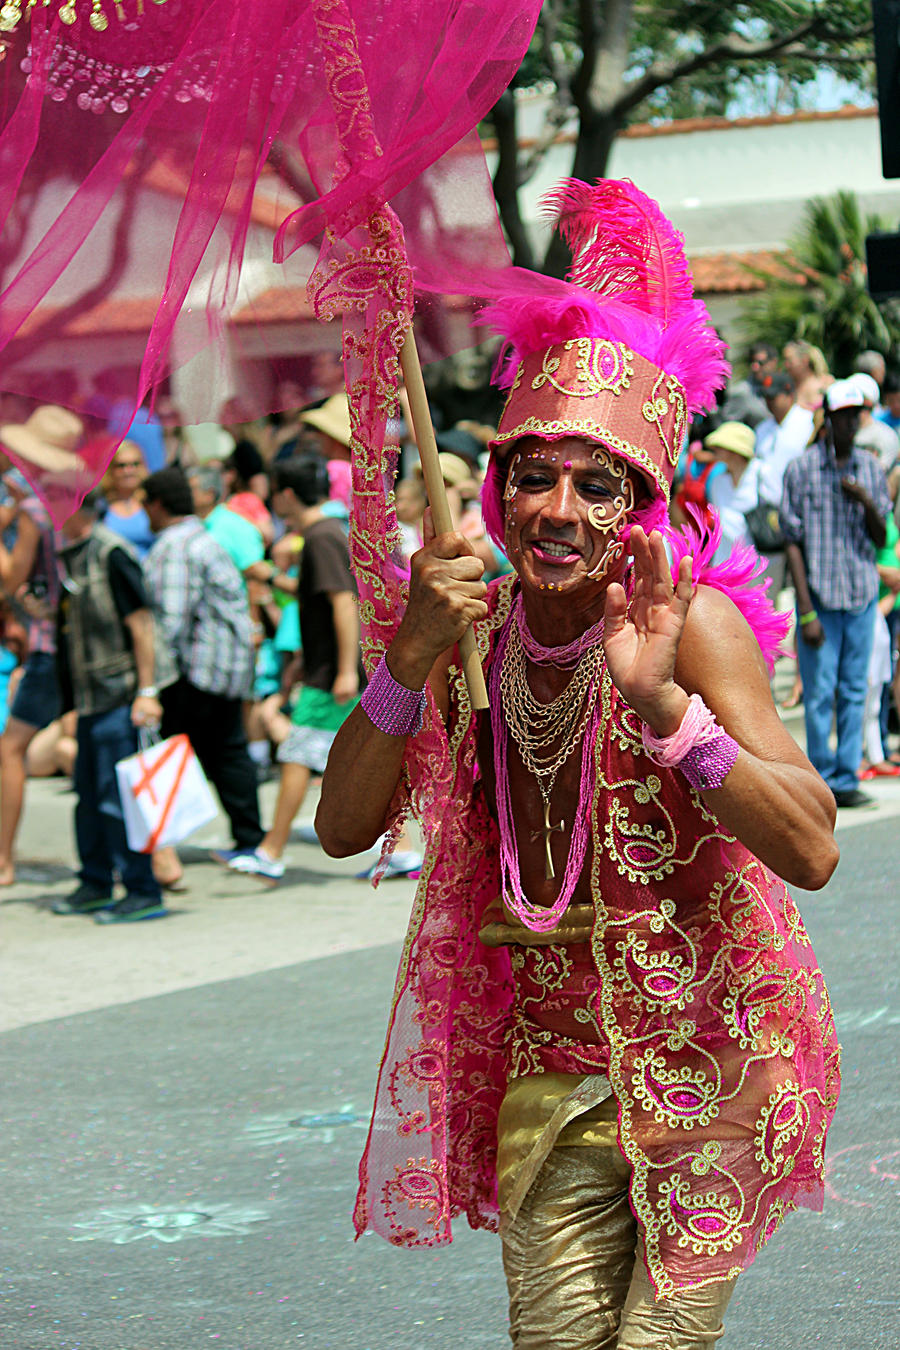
(546, 831)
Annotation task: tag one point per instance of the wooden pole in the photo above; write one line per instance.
(437, 497)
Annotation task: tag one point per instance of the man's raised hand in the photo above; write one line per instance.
(641, 644)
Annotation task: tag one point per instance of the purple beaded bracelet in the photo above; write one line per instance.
(391, 707)
(708, 765)
(703, 752)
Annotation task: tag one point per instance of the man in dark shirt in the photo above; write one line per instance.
(110, 673)
(329, 632)
(833, 515)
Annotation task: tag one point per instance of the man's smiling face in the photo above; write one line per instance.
(566, 503)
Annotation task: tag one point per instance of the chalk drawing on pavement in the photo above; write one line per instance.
(319, 1127)
(864, 1176)
(134, 1222)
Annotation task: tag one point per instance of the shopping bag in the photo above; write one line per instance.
(164, 794)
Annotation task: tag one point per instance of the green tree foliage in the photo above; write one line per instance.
(609, 63)
(822, 297)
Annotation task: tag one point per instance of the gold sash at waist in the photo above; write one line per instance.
(542, 1111)
(501, 928)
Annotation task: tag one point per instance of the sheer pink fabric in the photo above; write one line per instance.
(179, 163)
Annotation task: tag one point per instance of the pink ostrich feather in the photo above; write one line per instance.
(629, 282)
(737, 576)
(623, 247)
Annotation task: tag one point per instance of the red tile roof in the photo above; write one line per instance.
(643, 130)
(170, 180)
(713, 273)
(735, 273)
(287, 304)
(110, 316)
(280, 304)
(687, 124)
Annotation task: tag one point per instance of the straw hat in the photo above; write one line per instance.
(332, 419)
(48, 440)
(734, 436)
(454, 470)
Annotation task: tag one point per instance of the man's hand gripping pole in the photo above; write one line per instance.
(437, 498)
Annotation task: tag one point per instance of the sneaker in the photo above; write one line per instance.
(404, 864)
(84, 899)
(133, 909)
(258, 864)
(226, 856)
(853, 797)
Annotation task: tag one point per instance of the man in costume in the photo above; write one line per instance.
(609, 1038)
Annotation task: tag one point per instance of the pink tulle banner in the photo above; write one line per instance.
(168, 169)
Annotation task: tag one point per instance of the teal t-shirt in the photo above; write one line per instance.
(287, 638)
(241, 541)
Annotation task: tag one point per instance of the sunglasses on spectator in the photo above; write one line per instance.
(129, 464)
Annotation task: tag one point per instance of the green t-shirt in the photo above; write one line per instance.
(887, 556)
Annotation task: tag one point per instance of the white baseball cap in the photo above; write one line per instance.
(867, 386)
(843, 394)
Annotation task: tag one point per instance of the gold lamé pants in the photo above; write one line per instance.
(573, 1257)
(575, 1266)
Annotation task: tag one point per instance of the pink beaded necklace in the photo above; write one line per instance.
(564, 657)
(540, 918)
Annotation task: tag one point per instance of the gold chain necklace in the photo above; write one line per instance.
(537, 727)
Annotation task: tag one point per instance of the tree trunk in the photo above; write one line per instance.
(506, 180)
(596, 134)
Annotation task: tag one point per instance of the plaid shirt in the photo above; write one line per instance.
(831, 528)
(199, 598)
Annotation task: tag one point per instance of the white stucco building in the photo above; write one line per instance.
(734, 188)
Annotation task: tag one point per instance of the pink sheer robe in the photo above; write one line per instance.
(712, 1018)
(168, 172)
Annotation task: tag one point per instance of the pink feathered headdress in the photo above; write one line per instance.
(623, 356)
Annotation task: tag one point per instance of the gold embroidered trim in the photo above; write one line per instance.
(591, 430)
(591, 354)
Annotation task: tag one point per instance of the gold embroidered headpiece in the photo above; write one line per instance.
(621, 353)
(604, 392)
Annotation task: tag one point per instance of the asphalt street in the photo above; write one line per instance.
(184, 1103)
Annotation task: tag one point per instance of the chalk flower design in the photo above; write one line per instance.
(131, 1223)
(318, 1127)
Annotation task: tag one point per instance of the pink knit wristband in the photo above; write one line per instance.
(391, 707)
(703, 752)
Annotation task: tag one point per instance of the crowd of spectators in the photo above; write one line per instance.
(231, 542)
(805, 468)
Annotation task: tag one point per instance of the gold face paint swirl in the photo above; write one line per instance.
(607, 517)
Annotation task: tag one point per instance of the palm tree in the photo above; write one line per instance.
(821, 296)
